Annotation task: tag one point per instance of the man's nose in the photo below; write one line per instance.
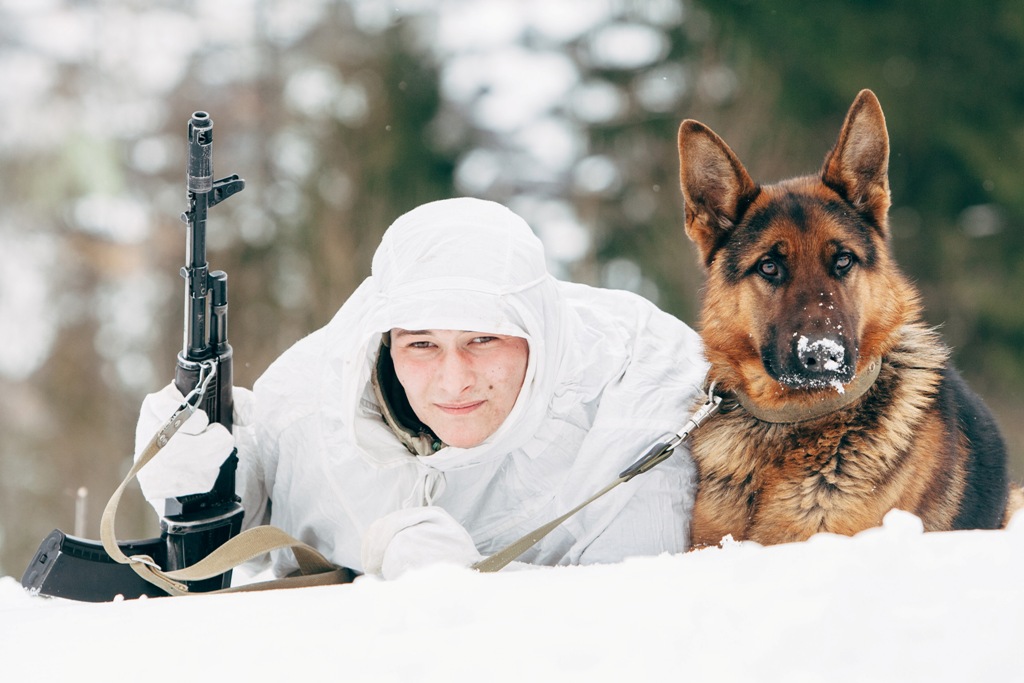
(455, 373)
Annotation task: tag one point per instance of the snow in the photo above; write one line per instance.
(890, 604)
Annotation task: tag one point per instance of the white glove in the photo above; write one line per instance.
(413, 538)
(191, 460)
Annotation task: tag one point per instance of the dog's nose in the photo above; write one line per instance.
(821, 355)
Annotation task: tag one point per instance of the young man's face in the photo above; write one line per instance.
(460, 384)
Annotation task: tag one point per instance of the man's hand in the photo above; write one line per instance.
(413, 538)
(191, 460)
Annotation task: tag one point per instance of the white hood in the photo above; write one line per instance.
(503, 287)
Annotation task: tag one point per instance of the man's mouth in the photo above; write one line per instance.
(459, 408)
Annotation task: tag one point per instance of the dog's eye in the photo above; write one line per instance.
(843, 262)
(769, 269)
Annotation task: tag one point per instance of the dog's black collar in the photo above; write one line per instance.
(828, 404)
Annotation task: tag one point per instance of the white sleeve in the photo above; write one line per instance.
(250, 483)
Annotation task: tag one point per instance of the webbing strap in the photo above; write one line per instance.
(314, 568)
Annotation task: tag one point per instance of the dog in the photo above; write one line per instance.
(840, 404)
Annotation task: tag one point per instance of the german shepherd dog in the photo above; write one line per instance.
(845, 404)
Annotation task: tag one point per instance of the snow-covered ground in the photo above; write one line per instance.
(890, 604)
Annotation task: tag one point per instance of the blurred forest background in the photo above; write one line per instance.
(342, 114)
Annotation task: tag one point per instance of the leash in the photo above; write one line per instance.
(314, 568)
(656, 454)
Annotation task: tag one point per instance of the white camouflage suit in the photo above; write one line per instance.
(608, 375)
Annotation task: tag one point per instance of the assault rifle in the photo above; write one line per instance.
(192, 526)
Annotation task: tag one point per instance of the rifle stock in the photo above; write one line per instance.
(192, 526)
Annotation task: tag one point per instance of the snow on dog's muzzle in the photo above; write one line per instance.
(820, 361)
(812, 361)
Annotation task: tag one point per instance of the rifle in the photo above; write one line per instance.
(192, 526)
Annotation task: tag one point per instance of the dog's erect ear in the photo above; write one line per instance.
(716, 187)
(858, 166)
